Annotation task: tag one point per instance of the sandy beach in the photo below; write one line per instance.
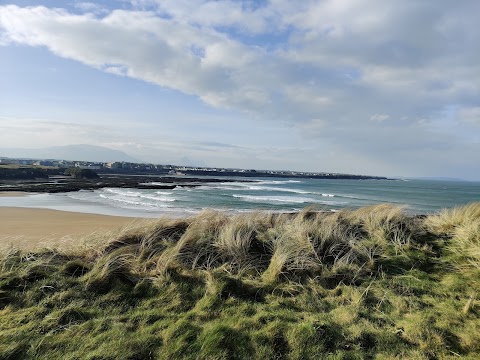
(26, 228)
(14, 193)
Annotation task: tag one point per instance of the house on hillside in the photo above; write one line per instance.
(113, 165)
(43, 163)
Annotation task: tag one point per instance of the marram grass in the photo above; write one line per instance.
(368, 283)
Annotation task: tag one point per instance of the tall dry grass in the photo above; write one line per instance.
(269, 247)
(460, 226)
(374, 280)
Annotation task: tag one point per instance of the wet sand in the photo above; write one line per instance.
(27, 228)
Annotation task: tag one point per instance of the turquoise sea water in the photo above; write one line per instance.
(274, 194)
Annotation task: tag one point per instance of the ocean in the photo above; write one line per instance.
(271, 194)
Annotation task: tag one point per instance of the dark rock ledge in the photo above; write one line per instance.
(67, 184)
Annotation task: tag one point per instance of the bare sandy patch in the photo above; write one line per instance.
(14, 193)
(26, 228)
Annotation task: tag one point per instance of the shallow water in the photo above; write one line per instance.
(274, 194)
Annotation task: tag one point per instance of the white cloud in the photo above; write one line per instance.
(340, 61)
(337, 51)
(379, 117)
(116, 69)
(205, 13)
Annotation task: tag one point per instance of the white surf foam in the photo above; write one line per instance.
(121, 192)
(279, 189)
(281, 199)
(157, 198)
(138, 194)
(289, 190)
(273, 182)
(140, 204)
(222, 187)
(163, 193)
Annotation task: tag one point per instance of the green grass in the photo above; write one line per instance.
(369, 283)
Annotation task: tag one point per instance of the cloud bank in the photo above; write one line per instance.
(387, 81)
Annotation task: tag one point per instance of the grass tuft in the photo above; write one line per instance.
(367, 283)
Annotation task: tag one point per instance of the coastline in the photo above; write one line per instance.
(272, 194)
(28, 228)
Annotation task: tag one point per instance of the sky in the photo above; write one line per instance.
(375, 87)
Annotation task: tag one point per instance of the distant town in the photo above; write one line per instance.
(121, 167)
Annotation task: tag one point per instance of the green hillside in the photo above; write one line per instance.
(369, 283)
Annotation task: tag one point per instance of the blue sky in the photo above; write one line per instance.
(370, 87)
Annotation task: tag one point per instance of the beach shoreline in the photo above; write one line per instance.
(15, 193)
(29, 228)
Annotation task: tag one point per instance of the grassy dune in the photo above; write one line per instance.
(368, 283)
